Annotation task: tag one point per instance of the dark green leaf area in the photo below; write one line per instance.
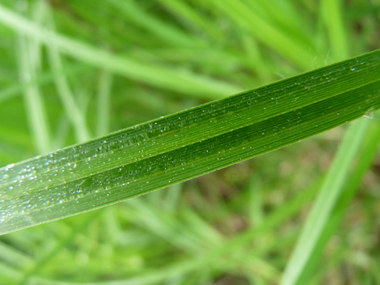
(203, 157)
(187, 144)
(200, 123)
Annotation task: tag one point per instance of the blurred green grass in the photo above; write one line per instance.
(234, 226)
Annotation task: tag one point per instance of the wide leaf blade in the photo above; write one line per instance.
(187, 144)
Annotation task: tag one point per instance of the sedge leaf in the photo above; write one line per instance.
(187, 144)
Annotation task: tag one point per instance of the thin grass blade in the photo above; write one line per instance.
(325, 202)
(364, 163)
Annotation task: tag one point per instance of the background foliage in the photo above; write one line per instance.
(122, 66)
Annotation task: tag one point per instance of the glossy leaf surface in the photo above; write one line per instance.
(187, 144)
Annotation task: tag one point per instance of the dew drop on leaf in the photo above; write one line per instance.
(369, 114)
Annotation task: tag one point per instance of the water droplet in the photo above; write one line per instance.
(352, 68)
(369, 114)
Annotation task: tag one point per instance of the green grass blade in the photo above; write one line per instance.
(193, 18)
(187, 144)
(103, 103)
(365, 157)
(325, 202)
(267, 33)
(289, 20)
(14, 89)
(168, 33)
(157, 75)
(332, 16)
(34, 105)
(71, 107)
(63, 127)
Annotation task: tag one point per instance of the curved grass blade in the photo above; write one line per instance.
(156, 75)
(187, 144)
